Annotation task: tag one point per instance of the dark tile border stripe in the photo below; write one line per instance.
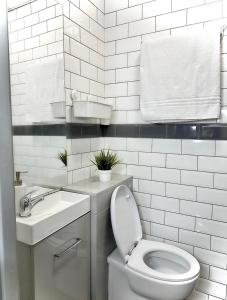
(40, 130)
(165, 131)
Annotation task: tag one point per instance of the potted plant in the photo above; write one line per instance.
(105, 161)
(62, 156)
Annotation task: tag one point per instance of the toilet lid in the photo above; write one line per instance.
(125, 220)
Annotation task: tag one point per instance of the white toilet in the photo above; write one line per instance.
(140, 269)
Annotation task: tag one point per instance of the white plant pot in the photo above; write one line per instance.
(104, 176)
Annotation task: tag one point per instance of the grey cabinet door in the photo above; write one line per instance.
(62, 263)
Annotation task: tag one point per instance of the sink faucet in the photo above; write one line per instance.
(27, 202)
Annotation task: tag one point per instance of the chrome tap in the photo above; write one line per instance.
(27, 202)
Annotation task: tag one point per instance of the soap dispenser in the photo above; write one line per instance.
(20, 190)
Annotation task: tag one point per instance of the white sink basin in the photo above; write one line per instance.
(48, 216)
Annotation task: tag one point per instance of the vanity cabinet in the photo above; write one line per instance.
(57, 268)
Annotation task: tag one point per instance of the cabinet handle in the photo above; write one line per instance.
(65, 251)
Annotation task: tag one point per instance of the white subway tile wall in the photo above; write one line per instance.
(64, 27)
(129, 23)
(38, 155)
(35, 33)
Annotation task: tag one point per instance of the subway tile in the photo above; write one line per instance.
(166, 175)
(79, 83)
(89, 8)
(220, 181)
(206, 12)
(211, 227)
(116, 90)
(163, 231)
(134, 58)
(47, 14)
(89, 40)
(142, 199)
(79, 17)
(78, 50)
(115, 5)
(74, 162)
(134, 88)
(194, 238)
(99, 3)
(193, 208)
(152, 159)
(211, 288)
(195, 295)
(152, 215)
(152, 187)
(80, 146)
(171, 20)
(38, 5)
(97, 30)
(127, 74)
(129, 14)
(110, 19)
(145, 227)
(218, 275)
(144, 145)
(181, 191)
(155, 8)
(140, 172)
(198, 147)
(88, 71)
(164, 203)
(127, 103)
(71, 29)
(212, 196)
(181, 4)
(219, 244)
(116, 61)
(204, 271)
(212, 164)
(166, 146)
(197, 178)
(142, 27)
(115, 33)
(221, 148)
(180, 221)
(39, 28)
(219, 213)
(210, 257)
(115, 144)
(185, 162)
(128, 45)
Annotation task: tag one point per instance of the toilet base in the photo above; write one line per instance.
(118, 287)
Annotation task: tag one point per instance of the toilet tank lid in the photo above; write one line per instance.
(125, 220)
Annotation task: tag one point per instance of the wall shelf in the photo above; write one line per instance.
(92, 110)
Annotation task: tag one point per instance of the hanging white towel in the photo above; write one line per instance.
(44, 85)
(180, 77)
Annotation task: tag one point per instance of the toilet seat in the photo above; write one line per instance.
(188, 265)
(154, 270)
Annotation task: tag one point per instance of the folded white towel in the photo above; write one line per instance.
(44, 85)
(180, 77)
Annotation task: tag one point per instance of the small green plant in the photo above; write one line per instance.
(105, 160)
(63, 157)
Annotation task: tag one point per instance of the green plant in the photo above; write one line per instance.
(63, 157)
(105, 160)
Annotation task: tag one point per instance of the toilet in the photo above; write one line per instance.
(140, 269)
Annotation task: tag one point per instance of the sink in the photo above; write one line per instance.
(48, 216)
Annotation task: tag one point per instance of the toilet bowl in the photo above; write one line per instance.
(153, 270)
